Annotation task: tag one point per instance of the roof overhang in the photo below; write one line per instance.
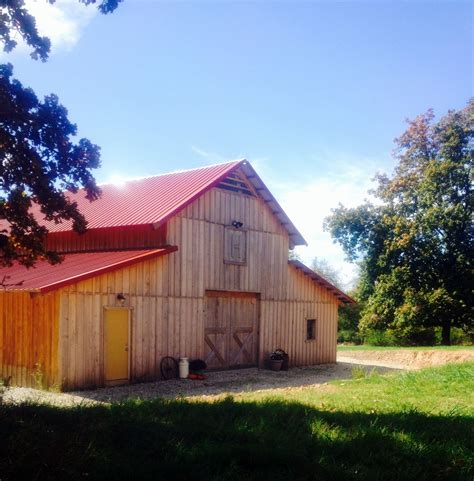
(335, 291)
(296, 239)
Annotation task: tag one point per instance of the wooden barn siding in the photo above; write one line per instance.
(29, 331)
(287, 295)
(161, 325)
(283, 322)
(167, 295)
(107, 239)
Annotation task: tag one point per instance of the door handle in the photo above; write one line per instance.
(126, 347)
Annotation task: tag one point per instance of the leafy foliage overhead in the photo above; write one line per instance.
(38, 160)
(16, 20)
(416, 245)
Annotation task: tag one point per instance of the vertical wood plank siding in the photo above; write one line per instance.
(167, 295)
(29, 338)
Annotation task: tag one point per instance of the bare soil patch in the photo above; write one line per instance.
(406, 358)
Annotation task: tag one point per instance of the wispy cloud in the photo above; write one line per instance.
(345, 180)
(62, 22)
(209, 156)
(308, 199)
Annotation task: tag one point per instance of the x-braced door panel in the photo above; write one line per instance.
(231, 329)
(215, 340)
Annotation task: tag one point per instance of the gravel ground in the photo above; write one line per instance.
(246, 380)
(237, 381)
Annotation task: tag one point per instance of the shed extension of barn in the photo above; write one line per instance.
(192, 263)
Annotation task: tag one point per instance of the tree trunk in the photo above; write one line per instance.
(446, 333)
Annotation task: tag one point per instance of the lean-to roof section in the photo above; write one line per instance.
(44, 277)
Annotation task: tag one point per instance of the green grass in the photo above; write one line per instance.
(404, 426)
(366, 347)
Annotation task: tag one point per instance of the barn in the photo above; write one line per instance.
(192, 263)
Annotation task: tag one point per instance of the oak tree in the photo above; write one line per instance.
(416, 242)
(15, 20)
(38, 156)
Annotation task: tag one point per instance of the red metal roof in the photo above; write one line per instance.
(153, 200)
(44, 277)
(149, 200)
(322, 282)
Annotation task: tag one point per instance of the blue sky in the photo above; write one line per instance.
(311, 93)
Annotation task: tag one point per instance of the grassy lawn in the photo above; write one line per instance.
(365, 347)
(415, 425)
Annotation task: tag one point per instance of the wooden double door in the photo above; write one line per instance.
(231, 329)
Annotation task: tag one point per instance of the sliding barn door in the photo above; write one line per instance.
(231, 329)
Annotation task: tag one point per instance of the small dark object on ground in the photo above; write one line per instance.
(197, 365)
(284, 357)
(275, 364)
(196, 377)
(169, 368)
(276, 360)
(276, 356)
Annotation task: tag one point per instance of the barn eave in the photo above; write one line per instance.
(44, 277)
(320, 280)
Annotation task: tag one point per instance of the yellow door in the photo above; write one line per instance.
(116, 345)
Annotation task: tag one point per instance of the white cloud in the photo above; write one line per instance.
(209, 156)
(62, 22)
(345, 180)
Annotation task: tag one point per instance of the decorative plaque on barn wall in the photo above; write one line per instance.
(235, 246)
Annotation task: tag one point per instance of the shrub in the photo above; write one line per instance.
(380, 338)
(458, 336)
(349, 336)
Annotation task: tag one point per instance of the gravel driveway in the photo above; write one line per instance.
(237, 381)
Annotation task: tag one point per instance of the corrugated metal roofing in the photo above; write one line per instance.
(323, 282)
(44, 277)
(149, 200)
(153, 200)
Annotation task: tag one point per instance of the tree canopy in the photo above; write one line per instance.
(38, 157)
(16, 20)
(416, 242)
(38, 161)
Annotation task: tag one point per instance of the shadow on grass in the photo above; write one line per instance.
(227, 440)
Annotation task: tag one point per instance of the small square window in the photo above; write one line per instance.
(310, 329)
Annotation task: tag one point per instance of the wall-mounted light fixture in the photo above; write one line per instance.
(237, 224)
(121, 299)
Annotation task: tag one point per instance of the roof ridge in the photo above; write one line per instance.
(155, 199)
(180, 171)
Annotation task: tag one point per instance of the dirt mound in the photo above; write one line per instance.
(411, 358)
